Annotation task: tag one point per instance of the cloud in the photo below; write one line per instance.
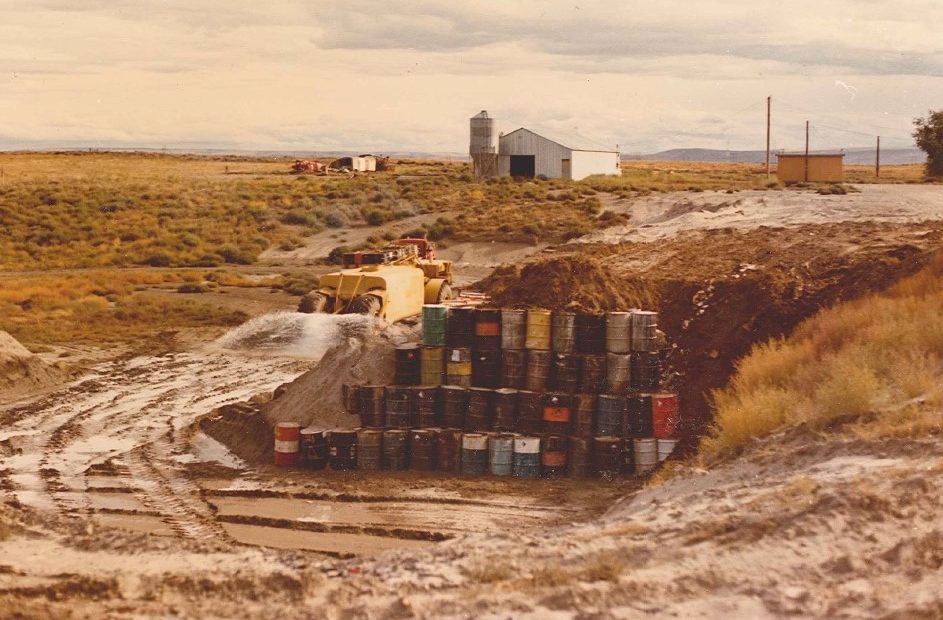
(406, 75)
(738, 30)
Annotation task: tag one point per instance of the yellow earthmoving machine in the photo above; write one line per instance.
(392, 283)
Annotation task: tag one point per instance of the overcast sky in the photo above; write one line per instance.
(405, 75)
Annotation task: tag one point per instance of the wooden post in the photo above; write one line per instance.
(877, 160)
(806, 176)
(768, 108)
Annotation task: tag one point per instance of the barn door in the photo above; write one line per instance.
(523, 166)
(566, 169)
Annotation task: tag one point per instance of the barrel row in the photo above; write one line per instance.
(534, 370)
(562, 332)
(451, 450)
(638, 415)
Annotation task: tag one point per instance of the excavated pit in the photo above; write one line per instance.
(714, 304)
(720, 292)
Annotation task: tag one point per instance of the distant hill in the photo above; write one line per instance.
(858, 155)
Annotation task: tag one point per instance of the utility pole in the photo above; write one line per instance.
(806, 177)
(877, 160)
(768, 108)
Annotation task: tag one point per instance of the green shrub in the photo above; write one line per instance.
(158, 259)
(192, 287)
(335, 219)
(298, 217)
(234, 255)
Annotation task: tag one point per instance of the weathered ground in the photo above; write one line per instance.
(117, 501)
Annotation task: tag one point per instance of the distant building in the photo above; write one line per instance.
(811, 168)
(524, 153)
(361, 163)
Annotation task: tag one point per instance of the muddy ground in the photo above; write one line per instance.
(117, 501)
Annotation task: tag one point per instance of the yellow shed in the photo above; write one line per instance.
(822, 167)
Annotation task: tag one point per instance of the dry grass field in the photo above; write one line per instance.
(69, 210)
(875, 362)
(106, 306)
(130, 220)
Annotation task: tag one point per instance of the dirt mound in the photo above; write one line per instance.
(315, 398)
(242, 428)
(22, 372)
(571, 282)
(360, 355)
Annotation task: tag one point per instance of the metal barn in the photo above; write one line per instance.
(523, 153)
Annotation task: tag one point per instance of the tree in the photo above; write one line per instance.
(928, 133)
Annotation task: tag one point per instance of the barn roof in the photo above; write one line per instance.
(572, 141)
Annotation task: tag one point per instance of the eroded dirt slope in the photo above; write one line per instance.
(720, 291)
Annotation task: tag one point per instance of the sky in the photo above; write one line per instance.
(406, 75)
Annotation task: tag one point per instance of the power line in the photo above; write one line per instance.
(877, 128)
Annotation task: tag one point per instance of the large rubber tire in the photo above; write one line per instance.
(445, 293)
(312, 302)
(366, 304)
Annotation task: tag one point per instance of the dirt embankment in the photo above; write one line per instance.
(314, 399)
(22, 372)
(719, 292)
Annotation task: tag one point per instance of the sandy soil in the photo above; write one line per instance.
(474, 261)
(22, 372)
(665, 215)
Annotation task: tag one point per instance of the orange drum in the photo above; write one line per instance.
(665, 415)
(287, 436)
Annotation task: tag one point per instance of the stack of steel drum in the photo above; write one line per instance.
(511, 392)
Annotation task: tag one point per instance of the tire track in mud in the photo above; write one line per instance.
(128, 419)
(173, 497)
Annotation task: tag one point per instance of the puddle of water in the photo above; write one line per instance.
(113, 501)
(103, 481)
(205, 449)
(357, 544)
(412, 515)
(146, 524)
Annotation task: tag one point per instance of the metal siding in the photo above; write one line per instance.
(548, 155)
(588, 163)
(504, 165)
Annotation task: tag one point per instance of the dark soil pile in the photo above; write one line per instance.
(242, 428)
(567, 282)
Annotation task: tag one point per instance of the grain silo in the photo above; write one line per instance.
(483, 145)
